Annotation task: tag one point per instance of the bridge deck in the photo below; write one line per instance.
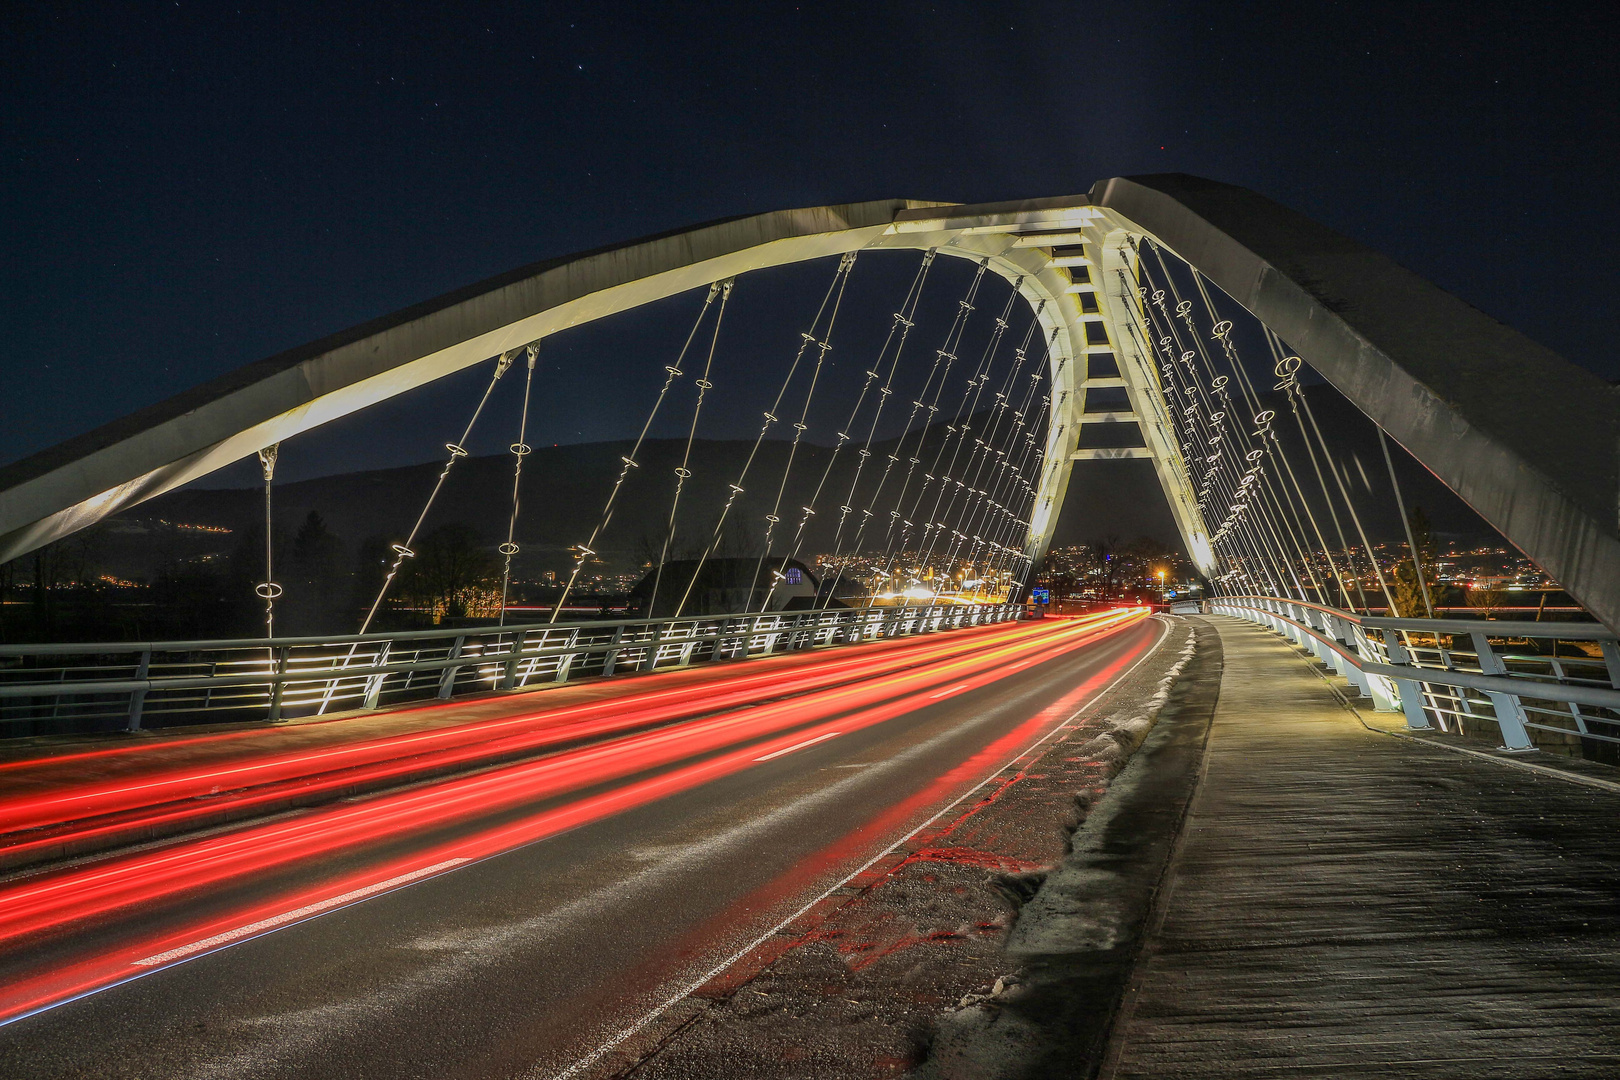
(1347, 903)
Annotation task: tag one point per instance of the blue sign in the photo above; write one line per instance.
(1169, 594)
(1040, 595)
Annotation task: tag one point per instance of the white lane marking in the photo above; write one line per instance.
(602, 1050)
(952, 690)
(798, 746)
(297, 913)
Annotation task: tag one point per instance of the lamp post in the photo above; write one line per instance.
(1161, 587)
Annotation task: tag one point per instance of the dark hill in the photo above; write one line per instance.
(563, 492)
(564, 488)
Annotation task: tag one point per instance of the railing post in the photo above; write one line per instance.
(1377, 686)
(611, 659)
(137, 698)
(447, 681)
(1574, 709)
(1611, 660)
(1324, 653)
(717, 652)
(1344, 632)
(1509, 712)
(509, 676)
(374, 683)
(1411, 693)
(650, 661)
(746, 626)
(1306, 617)
(278, 687)
(1286, 628)
(565, 662)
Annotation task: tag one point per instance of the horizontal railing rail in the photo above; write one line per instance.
(1444, 673)
(99, 686)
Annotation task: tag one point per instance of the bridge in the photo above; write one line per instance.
(854, 793)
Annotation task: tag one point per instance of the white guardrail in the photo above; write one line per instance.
(51, 689)
(1446, 672)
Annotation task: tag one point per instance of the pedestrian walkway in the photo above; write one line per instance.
(1348, 903)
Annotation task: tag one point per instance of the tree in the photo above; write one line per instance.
(1405, 585)
(371, 564)
(61, 570)
(1105, 549)
(314, 579)
(1486, 598)
(8, 573)
(452, 576)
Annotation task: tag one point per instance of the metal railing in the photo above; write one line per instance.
(127, 685)
(1460, 673)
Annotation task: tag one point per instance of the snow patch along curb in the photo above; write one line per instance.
(1079, 930)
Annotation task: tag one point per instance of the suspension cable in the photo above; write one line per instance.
(1236, 529)
(683, 471)
(268, 589)
(973, 519)
(1274, 448)
(1017, 561)
(1266, 497)
(839, 276)
(944, 357)
(956, 436)
(628, 461)
(964, 519)
(520, 450)
(982, 509)
(1288, 369)
(1256, 484)
(1344, 492)
(898, 331)
(1411, 542)
(1295, 490)
(800, 426)
(1015, 485)
(1203, 422)
(904, 321)
(457, 450)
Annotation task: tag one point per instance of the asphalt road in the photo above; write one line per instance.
(525, 963)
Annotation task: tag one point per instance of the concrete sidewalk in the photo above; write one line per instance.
(1343, 902)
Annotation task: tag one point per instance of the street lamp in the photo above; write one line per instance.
(1161, 587)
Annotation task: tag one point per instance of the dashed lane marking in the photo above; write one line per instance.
(798, 746)
(296, 914)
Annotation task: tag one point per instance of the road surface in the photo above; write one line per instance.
(520, 940)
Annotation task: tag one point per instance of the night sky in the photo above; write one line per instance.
(189, 187)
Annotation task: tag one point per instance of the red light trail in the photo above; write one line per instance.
(378, 758)
(689, 754)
